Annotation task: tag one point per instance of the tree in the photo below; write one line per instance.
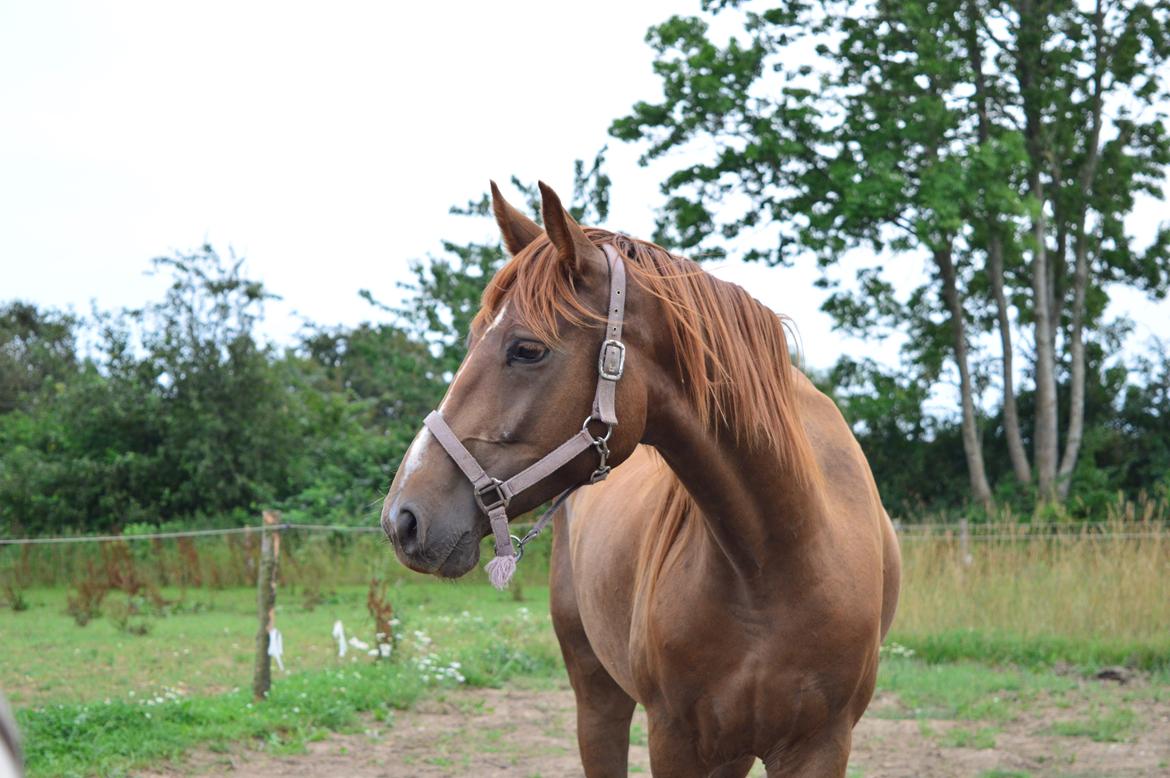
(961, 129)
(36, 347)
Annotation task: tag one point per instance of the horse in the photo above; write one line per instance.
(11, 757)
(735, 573)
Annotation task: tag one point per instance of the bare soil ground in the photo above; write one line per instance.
(530, 733)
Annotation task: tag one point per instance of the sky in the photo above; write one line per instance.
(323, 142)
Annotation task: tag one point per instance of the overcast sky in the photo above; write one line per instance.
(324, 142)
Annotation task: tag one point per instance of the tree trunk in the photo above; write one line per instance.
(1029, 56)
(1076, 406)
(1046, 410)
(1011, 415)
(1085, 180)
(972, 445)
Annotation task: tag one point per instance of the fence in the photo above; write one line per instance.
(1002, 576)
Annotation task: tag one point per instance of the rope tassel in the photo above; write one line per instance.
(501, 569)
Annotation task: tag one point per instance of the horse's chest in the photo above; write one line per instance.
(721, 671)
(676, 632)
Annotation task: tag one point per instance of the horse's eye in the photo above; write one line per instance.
(526, 352)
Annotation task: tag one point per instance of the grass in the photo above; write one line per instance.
(206, 642)
(153, 698)
(978, 737)
(188, 681)
(1105, 724)
(978, 645)
(1097, 596)
(966, 690)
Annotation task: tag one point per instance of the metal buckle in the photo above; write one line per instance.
(501, 500)
(612, 360)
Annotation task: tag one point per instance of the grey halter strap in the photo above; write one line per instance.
(493, 494)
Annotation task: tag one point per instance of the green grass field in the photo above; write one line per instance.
(95, 699)
(101, 699)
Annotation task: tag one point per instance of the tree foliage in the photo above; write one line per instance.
(181, 412)
(1006, 143)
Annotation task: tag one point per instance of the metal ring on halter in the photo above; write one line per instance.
(608, 429)
(518, 544)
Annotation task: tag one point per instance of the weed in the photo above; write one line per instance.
(14, 596)
(980, 737)
(382, 612)
(86, 601)
(121, 613)
(1116, 724)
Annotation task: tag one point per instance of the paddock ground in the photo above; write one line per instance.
(529, 732)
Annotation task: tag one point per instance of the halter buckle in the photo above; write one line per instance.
(611, 362)
(501, 497)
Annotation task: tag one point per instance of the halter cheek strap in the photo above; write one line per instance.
(494, 495)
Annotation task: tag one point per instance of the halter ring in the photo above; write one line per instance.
(608, 429)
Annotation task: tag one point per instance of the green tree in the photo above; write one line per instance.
(957, 129)
(37, 348)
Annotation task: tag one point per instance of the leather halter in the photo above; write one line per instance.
(492, 494)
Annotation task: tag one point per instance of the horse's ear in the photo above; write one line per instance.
(516, 229)
(573, 246)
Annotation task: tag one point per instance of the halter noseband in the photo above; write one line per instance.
(493, 495)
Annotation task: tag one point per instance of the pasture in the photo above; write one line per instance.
(990, 667)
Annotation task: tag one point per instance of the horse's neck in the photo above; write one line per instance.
(755, 506)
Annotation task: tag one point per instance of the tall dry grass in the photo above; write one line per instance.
(1084, 592)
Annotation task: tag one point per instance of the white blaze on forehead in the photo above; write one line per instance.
(450, 389)
(499, 318)
(414, 454)
(410, 463)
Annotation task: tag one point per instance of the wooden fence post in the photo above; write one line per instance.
(266, 603)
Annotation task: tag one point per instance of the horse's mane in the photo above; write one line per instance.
(732, 353)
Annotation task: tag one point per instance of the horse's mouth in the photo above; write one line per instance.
(444, 561)
(457, 565)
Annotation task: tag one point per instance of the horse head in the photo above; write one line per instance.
(535, 374)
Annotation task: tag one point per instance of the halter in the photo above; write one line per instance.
(492, 494)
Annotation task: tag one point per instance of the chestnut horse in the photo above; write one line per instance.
(735, 574)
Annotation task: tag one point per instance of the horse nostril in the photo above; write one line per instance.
(406, 530)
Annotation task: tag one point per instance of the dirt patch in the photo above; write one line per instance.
(487, 732)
